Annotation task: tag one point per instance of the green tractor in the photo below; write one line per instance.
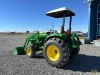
(57, 47)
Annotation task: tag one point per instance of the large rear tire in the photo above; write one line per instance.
(30, 51)
(56, 52)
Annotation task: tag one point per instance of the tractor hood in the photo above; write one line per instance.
(60, 12)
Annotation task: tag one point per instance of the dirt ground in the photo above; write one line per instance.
(87, 62)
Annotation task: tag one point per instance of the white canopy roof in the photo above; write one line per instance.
(60, 12)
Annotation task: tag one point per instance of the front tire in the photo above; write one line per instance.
(56, 52)
(30, 51)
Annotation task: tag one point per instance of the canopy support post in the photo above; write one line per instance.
(63, 24)
(70, 23)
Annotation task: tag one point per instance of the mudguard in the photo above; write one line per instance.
(62, 36)
(75, 41)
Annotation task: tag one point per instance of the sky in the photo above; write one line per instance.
(23, 15)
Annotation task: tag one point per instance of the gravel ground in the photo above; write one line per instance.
(87, 62)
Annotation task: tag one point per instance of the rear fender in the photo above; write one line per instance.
(63, 37)
(75, 41)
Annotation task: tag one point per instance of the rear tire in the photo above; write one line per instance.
(56, 52)
(30, 51)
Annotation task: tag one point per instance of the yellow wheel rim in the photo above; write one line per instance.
(28, 51)
(53, 53)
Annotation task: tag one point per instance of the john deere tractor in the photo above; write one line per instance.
(57, 47)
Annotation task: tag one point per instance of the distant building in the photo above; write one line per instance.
(79, 33)
(94, 19)
(11, 33)
(36, 32)
(27, 32)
